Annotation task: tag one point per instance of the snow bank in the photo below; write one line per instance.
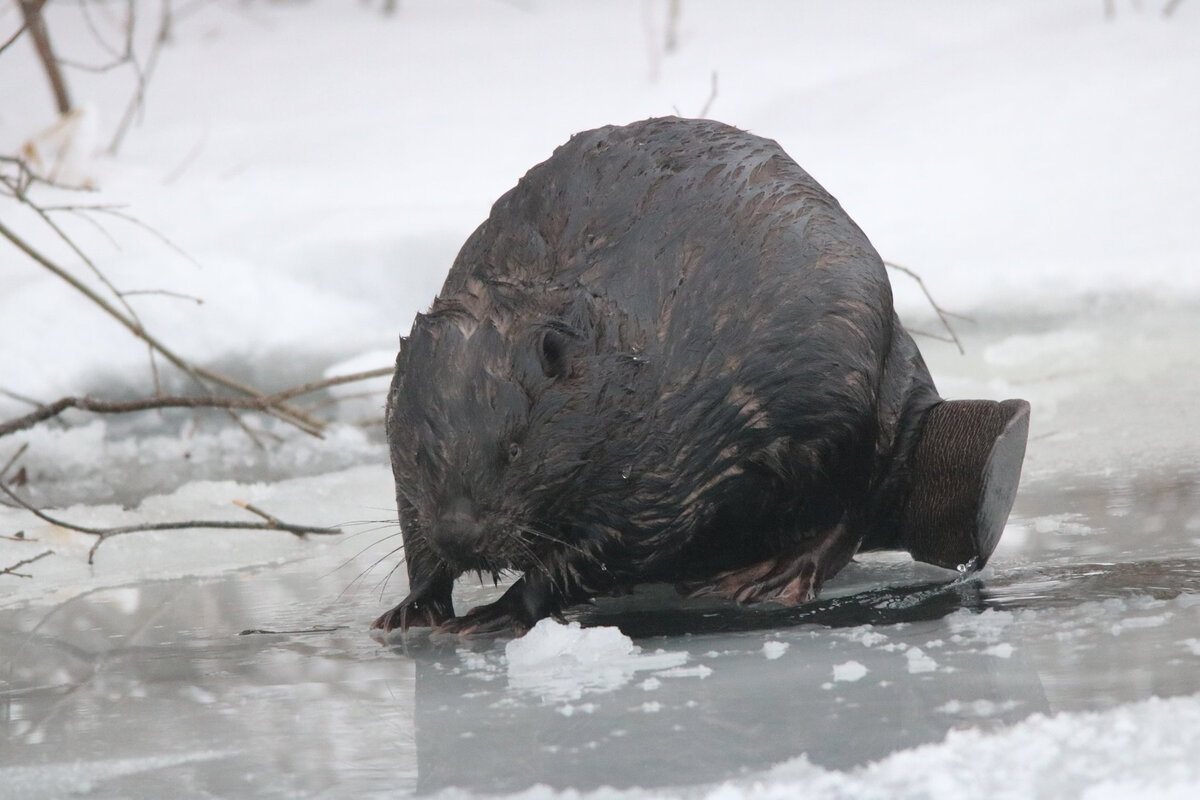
(1143, 749)
(324, 203)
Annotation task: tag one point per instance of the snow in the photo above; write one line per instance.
(918, 661)
(1143, 750)
(773, 650)
(849, 671)
(338, 196)
(319, 164)
(1146, 747)
(558, 662)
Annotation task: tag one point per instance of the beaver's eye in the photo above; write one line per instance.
(514, 451)
(554, 355)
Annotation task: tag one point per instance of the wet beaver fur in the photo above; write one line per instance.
(670, 355)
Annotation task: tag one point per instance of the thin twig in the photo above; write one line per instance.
(137, 103)
(8, 464)
(116, 211)
(127, 407)
(273, 524)
(163, 293)
(24, 27)
(26, 177)
(337, 380)
(943, 315)
(97, 36)
(44, 214)
(288, 413)
(264, 403)
(265, 632)
(671, 39)
(13, 569)
(712, 96)
(29, 401)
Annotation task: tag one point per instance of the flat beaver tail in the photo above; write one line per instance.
(965, 469)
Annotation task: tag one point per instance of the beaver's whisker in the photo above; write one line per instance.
(559, 542)
(386, 578)
(544, 567)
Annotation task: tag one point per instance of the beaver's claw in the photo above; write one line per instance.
(416, 612)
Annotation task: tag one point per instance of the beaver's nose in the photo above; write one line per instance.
(457, 533)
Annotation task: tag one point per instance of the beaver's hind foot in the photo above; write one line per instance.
(789, 578)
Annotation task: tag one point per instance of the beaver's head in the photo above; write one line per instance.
(499, 420)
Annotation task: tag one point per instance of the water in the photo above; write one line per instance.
(159, 679)
(265, 682)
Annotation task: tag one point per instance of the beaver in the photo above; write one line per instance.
(668, 355)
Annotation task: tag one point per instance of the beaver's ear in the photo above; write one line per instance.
(554, 353)
(401, 363)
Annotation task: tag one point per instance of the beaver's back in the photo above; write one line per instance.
(736, 267)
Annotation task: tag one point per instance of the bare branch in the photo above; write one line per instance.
(102, 534)
(20, 398)
(285, 412)
(13, 569)
(263, 403)
(314, 629)
(671, 39)
(943, 315)
(136, 104)
(85, 7)
(337, 380)
(116, 211)
(32, 11)
(13, 459)
(712, 96)
(24, 27)
(26, 177)
(163, 293)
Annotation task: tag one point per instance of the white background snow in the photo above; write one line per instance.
(320, 163)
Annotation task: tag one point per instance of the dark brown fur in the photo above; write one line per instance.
(668, 354)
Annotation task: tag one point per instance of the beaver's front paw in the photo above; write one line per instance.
(494, 619)
(531, 598)
(416, 612)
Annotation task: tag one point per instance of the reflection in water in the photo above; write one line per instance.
(159, 673)
(1093, 601)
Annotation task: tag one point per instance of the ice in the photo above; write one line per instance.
(1142, 750)
(560, 662)
(849, 671)
(773, 650)
(918, 661)
(1147, 746)
(334, 499)
(79, 778)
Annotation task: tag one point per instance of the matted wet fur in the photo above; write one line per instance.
(669, 355)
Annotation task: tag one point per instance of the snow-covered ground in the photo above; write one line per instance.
(320, 163)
